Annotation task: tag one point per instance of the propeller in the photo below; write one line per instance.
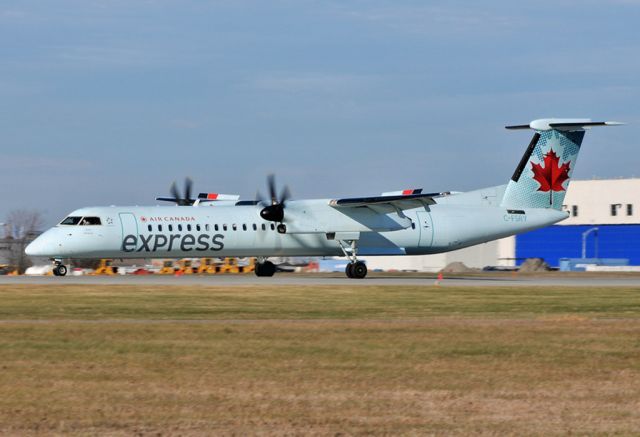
(274, 211)
(185, 200)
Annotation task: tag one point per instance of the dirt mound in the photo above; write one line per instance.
(457, 267)
(534, 265)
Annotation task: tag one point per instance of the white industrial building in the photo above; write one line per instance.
(612, 203)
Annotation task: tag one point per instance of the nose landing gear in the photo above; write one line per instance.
(59, 269)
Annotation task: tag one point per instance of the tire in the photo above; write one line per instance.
(258, 269)
(266, 268)
(62, 270)
(269, 268)
(55, 271)
(359, 270)
(349, 270)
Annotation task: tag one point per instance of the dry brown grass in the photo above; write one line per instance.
(344, 367)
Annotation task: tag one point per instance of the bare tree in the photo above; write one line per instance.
(24, 225)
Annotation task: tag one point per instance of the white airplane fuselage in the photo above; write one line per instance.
(313, 229)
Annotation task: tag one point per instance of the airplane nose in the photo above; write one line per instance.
(44, 245)
(34, 248)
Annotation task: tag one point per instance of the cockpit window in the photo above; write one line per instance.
(93, 221)
(82, 221)
(71, 220)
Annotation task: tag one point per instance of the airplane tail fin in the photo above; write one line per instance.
(542, 176)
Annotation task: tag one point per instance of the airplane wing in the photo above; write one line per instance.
(395, 202)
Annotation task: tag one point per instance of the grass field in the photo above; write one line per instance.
(125, 360)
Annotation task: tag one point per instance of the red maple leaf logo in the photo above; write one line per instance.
(143, 219)
(552, 175)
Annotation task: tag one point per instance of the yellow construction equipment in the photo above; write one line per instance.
(167, 268)
(250, 267)
(184, 267)
(230, 265)
(206, 266)
(105, 268)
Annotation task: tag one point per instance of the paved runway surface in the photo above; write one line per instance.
(294, 279)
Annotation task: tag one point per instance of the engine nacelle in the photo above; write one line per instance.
(273, 213)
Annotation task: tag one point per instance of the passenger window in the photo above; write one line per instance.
(160, 228)
(71, 220)
(273, 227)
(180, 228)
(170, 228)
(216, 227)
(255, 228)
(198, 228)
(244, 227)
(264, 227)
(189, 228)
(206, 227)
(234, 226)
(150, 228)
(224, 227)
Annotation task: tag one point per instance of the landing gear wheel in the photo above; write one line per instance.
(359, 270)
(349, 270)
(266, 268)
(60, 270)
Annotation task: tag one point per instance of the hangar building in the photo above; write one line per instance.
(604, 222)
(605, 211)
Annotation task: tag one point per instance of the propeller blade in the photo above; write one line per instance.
(271, 183)
(285, 194)
(174, 192)
(188, 183)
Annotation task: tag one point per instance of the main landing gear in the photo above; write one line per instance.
(355, 269)
(264, 268)
(59, 269)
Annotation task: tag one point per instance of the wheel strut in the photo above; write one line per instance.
(355, 269)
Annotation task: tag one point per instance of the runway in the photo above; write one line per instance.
(378, 279)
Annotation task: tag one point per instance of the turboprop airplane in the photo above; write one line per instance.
(407, 222)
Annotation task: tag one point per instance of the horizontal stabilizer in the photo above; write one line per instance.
(563, 124)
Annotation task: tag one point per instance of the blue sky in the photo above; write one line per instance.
(108, 102)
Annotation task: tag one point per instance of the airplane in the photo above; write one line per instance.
(407, 222)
